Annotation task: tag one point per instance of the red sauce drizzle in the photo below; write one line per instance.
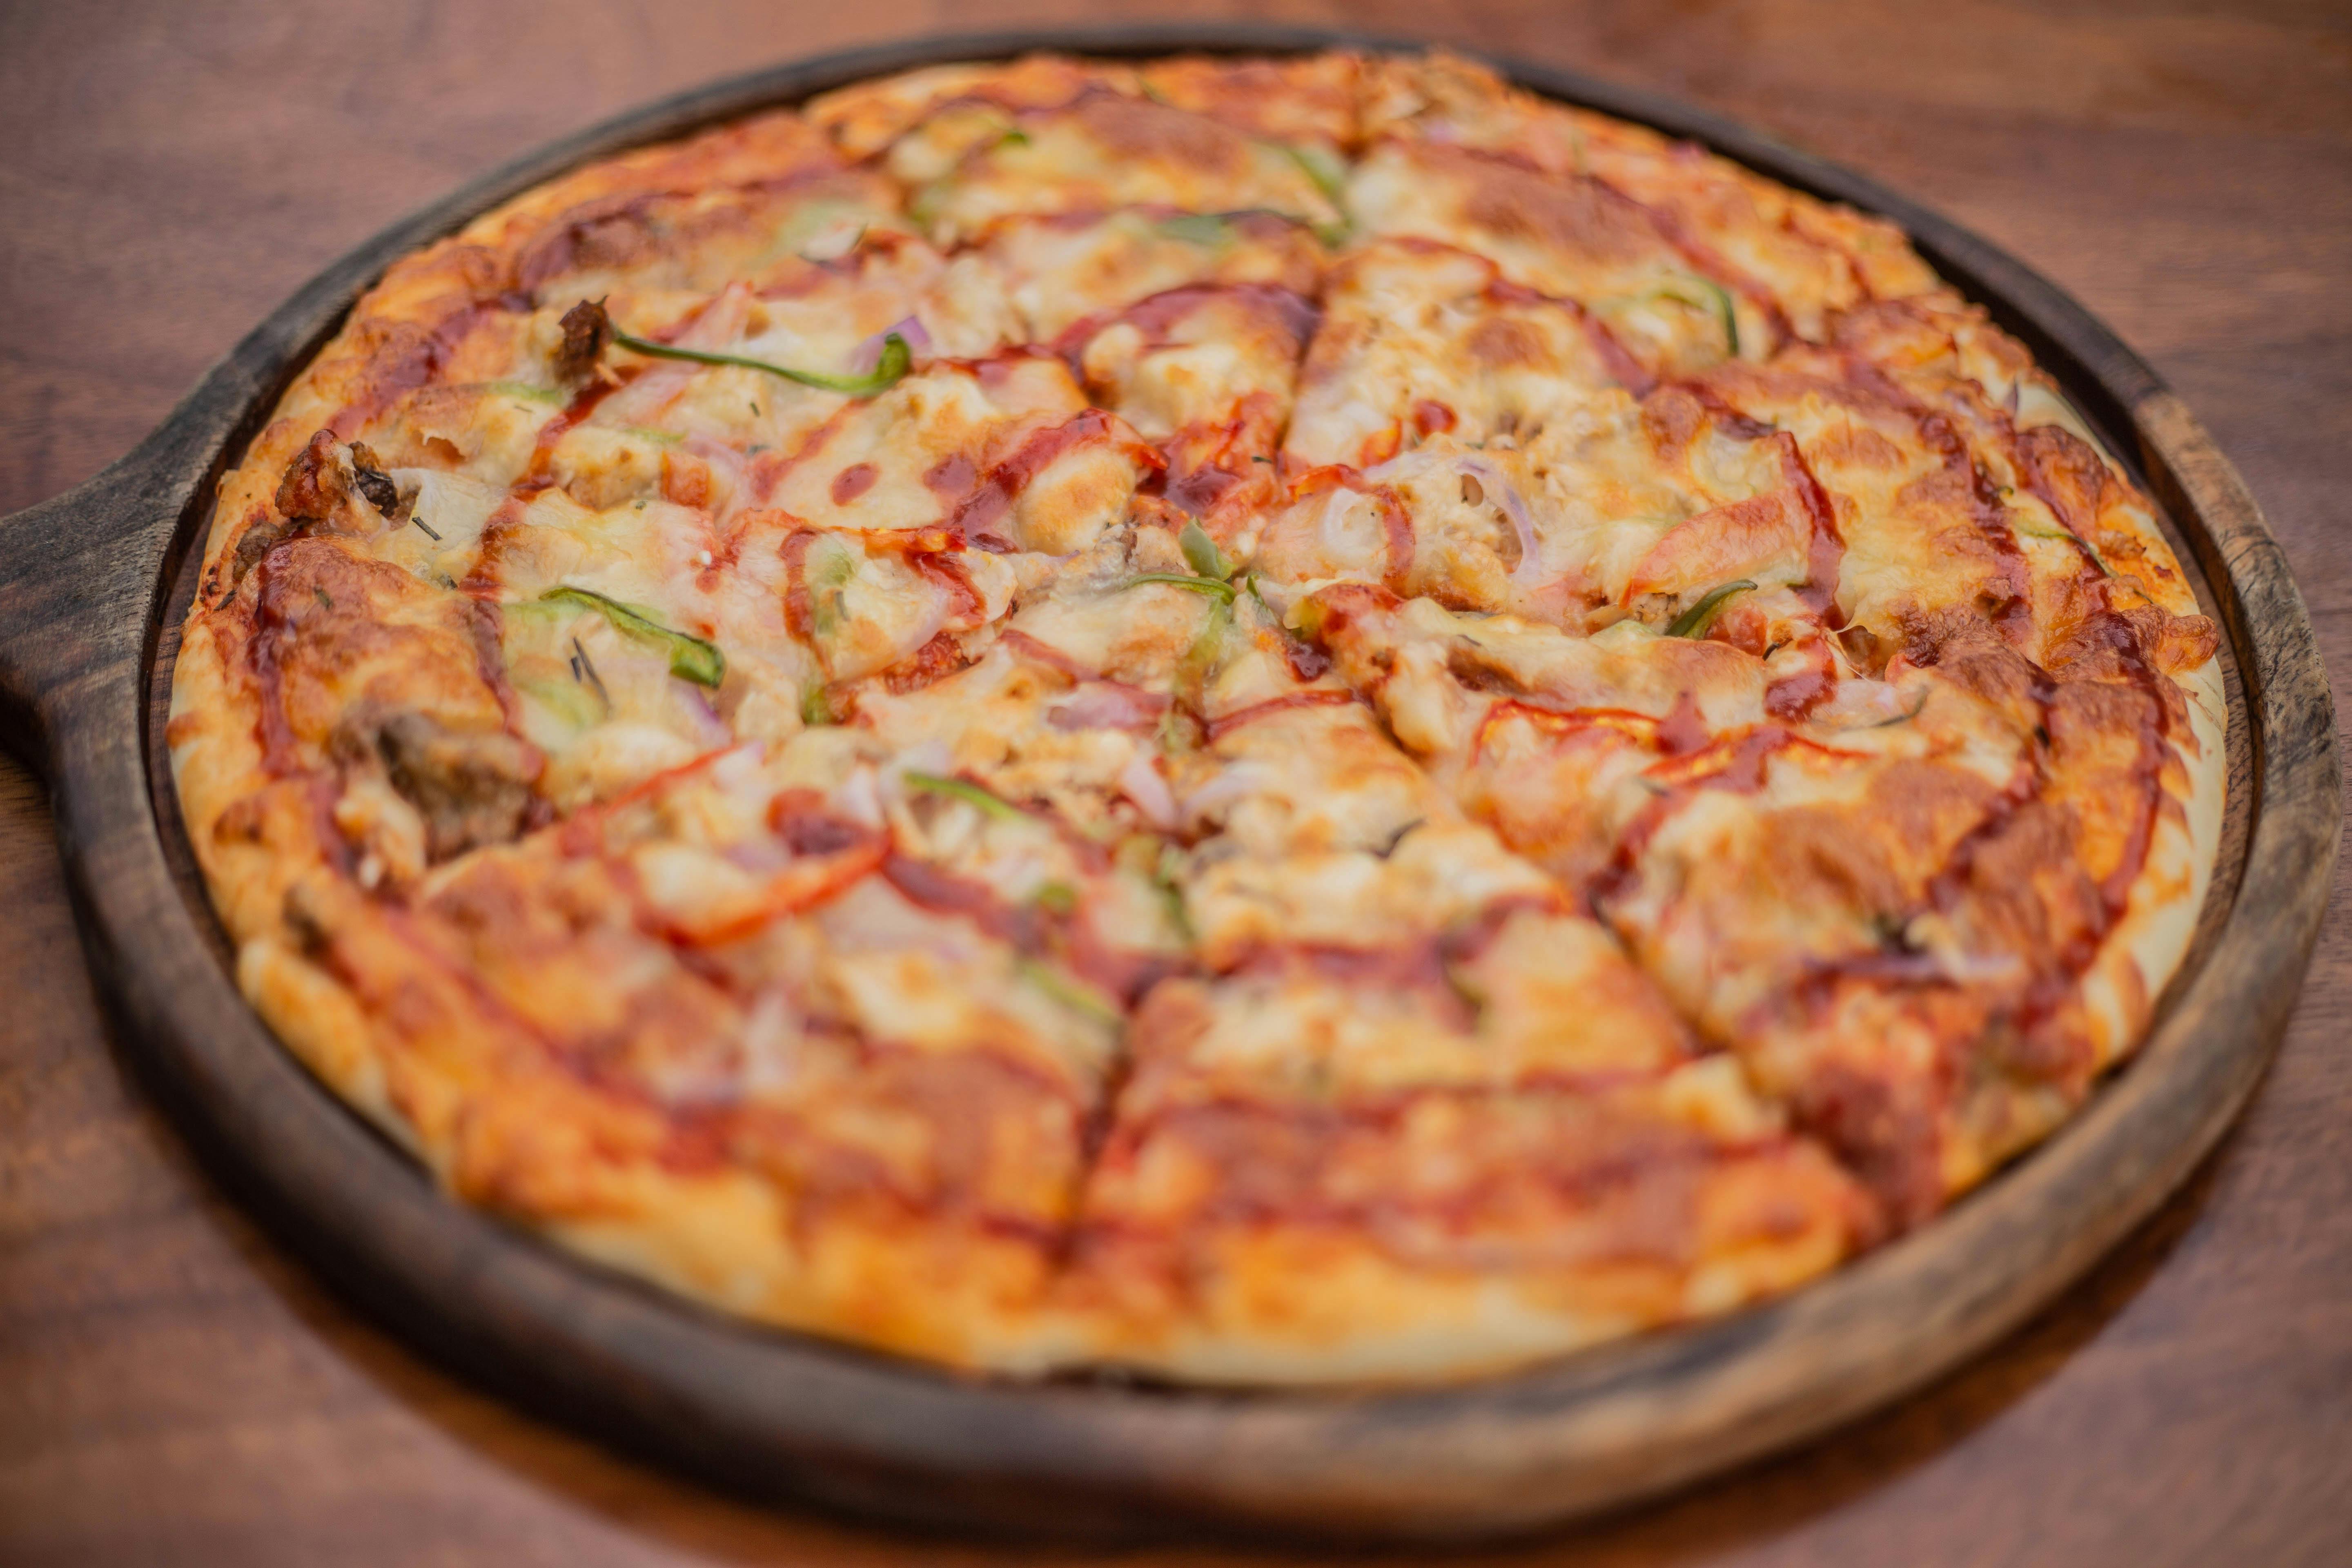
(799, 818)
(1110, 705)
(928, 664)
(765, 470)
(1946, 887)
(1682, 731)
(943, 571)
(1798, 694)
(942, 893)
(1950, 885)
(272, 632)
(979, 507)
(799, 617)
(1271, 1157)
(2037, 484)
(419, 364)
(1121, 975)
(1560, 724)
(1628, 371)
(1155, 314)
(486, 622)
(1198, 490)
(1209, 463)
(538, 476)
(1405, 966)
(2015, 614)
(1735, 764)
(1711, 263)
(1826, 551)
(951, 478)
(582, 831)
(2118, 637)
(1396, 528)
(1320, 697)
(1616, 358)
(1037, 652)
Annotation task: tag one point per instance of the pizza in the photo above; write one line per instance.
(1248, 721)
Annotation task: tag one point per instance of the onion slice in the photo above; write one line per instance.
(1528, 573)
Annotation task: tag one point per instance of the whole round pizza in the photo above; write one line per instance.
(1246, 720)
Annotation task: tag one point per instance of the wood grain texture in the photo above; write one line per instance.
(135, 1443)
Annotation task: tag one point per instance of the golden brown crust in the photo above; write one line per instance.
(1317, 721)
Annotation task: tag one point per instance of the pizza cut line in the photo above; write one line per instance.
(1254, 721)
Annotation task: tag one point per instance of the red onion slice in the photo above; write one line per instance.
(1108, 705)
(1140, 783)
(868, 355)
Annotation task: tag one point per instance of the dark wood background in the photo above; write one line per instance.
(175, 1390)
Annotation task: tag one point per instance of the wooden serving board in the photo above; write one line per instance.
(92, 589)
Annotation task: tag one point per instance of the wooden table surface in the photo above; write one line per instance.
(175, 1389)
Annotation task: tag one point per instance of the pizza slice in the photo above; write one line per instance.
(1412, 1072)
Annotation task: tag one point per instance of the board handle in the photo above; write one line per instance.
(79, 577)
(82, 574)
(82, 577)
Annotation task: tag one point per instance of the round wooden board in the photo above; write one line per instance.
(89, 603)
